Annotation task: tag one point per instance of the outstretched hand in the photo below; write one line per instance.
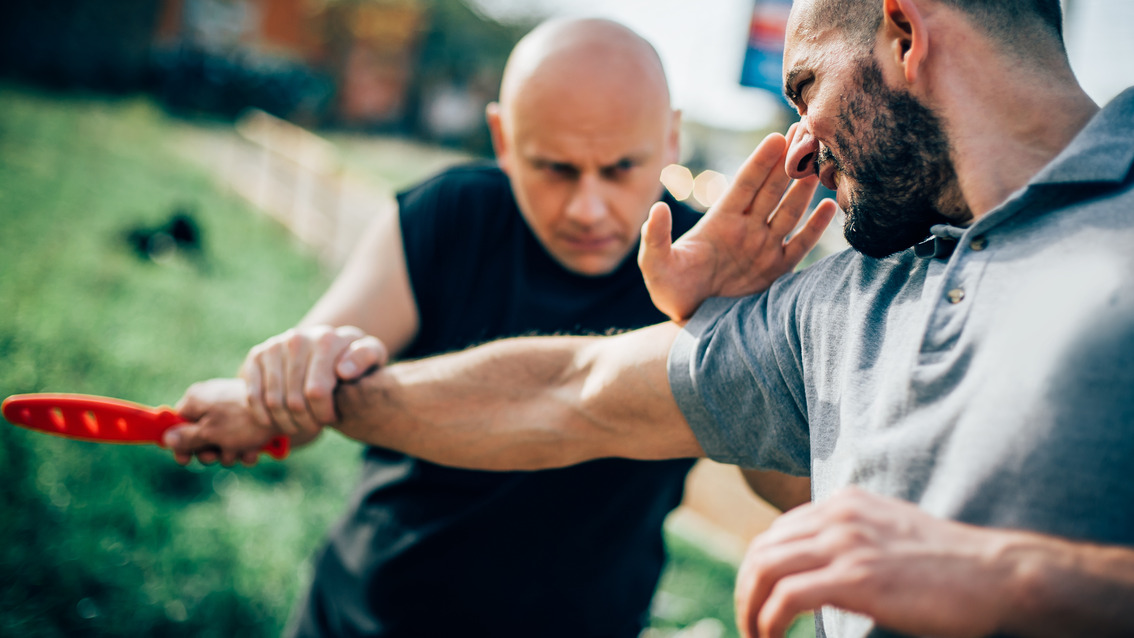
(292, 377)
(741, 245)
(878, 556)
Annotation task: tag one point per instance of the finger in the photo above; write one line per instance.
(792, 131)
(799, 523)
(804, 240)
(321, 379)
(184, 439)
(254, 380)
(803, 592)
(228, 458)
(767, 157)
(792, 206)
(250, 458)
(272, 366)
(362, 355)
(182, 458)
(763, 569)
(299, 353)
(188, 407)
(657, 238)
(207, 457)
(771, 192)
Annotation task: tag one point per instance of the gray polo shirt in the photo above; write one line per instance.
(995, 386)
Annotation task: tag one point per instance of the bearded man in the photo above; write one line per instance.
(959, 387)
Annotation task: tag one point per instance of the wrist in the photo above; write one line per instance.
(358, 401)
(1023, 589)
(1055, 589)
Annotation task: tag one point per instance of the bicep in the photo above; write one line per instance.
(625, 399)
(373, 289)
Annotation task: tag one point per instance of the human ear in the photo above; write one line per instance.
(906, 36)
(493, 114)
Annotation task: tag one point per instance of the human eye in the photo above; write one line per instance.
(562, 170)
(803, 88)
(619, 169)
(800, 94)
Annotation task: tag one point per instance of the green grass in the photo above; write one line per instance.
(108, 540)
(103, 540)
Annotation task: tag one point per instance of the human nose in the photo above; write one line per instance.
(587, 205)
(804, 148)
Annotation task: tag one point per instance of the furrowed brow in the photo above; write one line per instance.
(623, 162)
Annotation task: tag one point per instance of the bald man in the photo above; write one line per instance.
(958, 386)
(541, 243)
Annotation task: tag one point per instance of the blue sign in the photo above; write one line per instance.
(763, 62)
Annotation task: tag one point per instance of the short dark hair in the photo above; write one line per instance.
(1016, 23)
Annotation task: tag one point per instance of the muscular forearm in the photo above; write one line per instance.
(1061, 588)
(525, 403)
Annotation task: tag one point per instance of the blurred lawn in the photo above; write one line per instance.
(102, 540)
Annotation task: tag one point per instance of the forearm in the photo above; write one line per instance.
(1062, 588)
(526, 403)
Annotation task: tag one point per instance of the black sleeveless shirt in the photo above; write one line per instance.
(426, 550)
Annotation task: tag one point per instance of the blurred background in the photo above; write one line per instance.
(180, 179)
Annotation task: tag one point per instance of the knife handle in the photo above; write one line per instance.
(103, 419)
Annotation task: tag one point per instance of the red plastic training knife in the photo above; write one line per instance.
(102, 419)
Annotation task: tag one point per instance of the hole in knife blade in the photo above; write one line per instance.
(57, 419)
(122, 425)
(91, 421)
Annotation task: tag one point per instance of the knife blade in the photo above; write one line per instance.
(102, 419)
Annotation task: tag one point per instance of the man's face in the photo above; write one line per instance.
(884, 153)
(585, 175)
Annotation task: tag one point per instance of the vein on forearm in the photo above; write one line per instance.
(525, 403)
(502, 406)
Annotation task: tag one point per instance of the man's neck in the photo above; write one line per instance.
(1004, 132)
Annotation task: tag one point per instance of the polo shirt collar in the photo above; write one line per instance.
(1102, 152)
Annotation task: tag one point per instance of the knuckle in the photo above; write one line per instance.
(273, 402)
(318, 390)
(327, 339)
(842, 539)
(845, 510)
(296, 403)
(858, 569)
(350, 332)
(295, 343)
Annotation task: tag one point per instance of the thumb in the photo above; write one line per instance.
(184, 439)
(656, 236)
(188, 407)
(362, 355)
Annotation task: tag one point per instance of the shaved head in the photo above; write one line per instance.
(585, 60)
(583, 129)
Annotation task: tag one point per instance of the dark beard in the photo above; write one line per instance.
(897, 155)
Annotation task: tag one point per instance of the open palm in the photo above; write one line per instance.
(741, 245)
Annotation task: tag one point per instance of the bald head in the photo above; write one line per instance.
(587, 62)
(583, 129)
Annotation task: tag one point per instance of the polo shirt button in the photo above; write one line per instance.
(955, 295)
(979, 243)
